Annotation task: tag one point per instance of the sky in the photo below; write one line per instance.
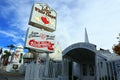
(101, 18)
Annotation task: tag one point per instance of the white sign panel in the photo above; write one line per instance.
(39, 40)
(42, 16)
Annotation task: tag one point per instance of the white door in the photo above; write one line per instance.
(87, 72)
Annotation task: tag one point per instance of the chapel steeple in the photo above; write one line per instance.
(86, 36)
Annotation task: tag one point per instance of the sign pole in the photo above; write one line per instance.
(47, 64)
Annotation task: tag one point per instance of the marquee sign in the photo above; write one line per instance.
(39, 40)
(42, 16)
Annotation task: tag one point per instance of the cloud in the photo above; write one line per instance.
(8, 34)
(101, 18)
(102, 21)
(12, 35)
(19, 11)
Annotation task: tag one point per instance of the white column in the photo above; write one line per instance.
(102, 70)
(99, 71)
(97, 68)
(106, 70)
(113, 71)
(110, 70)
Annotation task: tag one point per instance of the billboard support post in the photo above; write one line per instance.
(47, 65)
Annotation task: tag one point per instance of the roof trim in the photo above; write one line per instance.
(85, 45)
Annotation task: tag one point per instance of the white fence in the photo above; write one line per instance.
(37, 71)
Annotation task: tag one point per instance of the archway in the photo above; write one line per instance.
(82, 56)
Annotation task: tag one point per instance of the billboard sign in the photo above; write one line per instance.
(42, 16)
(39, 40)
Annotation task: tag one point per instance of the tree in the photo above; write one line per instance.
(7, 53)
(6, 57)
(116, 48)
(11, 47)
(1, 51)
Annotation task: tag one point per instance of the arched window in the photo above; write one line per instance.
(91, 70)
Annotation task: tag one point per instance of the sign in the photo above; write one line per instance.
(42, 16)
(39, 40)
(16, 58)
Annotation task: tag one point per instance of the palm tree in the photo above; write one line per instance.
(11, 47)
(6, 57)
(7, 53)
(1, 51)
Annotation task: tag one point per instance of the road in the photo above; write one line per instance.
(10, 76)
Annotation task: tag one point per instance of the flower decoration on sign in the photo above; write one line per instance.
(42, 36)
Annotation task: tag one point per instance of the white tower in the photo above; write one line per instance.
(86, 36)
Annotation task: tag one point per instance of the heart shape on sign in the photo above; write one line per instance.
(44, 20)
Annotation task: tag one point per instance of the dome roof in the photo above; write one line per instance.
(28, 55)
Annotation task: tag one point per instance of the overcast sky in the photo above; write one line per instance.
(101, 18)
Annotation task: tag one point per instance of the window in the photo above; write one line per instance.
(91, 69)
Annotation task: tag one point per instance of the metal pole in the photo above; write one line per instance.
(47, 65)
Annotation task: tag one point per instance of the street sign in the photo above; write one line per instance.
(43, 17)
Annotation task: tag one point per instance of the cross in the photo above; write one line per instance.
(118, 38)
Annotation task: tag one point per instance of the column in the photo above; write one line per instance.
(97, 68)
(110, 71)
(99, 71)
(106, 70)
(113, 70)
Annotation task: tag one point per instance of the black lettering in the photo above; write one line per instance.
(45, 11)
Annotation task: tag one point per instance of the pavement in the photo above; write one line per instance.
(10, 75)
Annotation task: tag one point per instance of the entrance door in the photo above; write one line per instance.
(87, 72)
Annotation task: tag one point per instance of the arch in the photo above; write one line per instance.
(80, 52)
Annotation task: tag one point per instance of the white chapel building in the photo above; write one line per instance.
(88, 63)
